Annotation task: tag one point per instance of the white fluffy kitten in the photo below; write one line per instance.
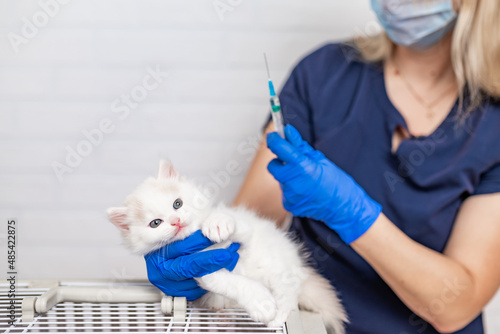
(270, 279)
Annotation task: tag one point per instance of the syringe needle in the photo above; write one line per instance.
(267, 67)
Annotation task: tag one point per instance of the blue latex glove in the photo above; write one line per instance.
(315, 187)
(172, 268)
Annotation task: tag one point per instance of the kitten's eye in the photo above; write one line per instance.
(155, 223)
(177, 203)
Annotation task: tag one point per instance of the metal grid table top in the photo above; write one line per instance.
(74, 317)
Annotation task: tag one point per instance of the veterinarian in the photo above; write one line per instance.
(391, 169)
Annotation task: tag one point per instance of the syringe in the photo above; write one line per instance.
(275, 105)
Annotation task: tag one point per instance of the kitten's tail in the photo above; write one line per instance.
(317, 295)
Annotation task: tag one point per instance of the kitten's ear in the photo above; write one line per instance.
(118, 216)
(166, 170)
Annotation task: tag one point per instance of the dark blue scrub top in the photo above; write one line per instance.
(340, 106)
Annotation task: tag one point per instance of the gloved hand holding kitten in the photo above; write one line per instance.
(315, 187)
(173, 267)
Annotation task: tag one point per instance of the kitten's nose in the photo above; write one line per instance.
(176, 222)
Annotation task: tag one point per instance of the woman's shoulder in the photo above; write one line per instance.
(485, 151)
(331, 56)
(328, 76)
(489, 113)
(494, 106)
(482, 127)
(327, 66)
(490, 122)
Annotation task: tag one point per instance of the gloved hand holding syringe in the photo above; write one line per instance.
(275, 105)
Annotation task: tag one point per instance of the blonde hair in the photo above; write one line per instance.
(475, 51)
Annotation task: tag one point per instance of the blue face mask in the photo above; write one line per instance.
(417, 24)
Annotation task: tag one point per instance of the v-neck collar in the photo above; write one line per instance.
(394, 118)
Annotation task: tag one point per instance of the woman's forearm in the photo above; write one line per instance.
(260, 191)
(434, 286)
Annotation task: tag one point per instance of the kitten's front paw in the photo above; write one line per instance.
(218, 227)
